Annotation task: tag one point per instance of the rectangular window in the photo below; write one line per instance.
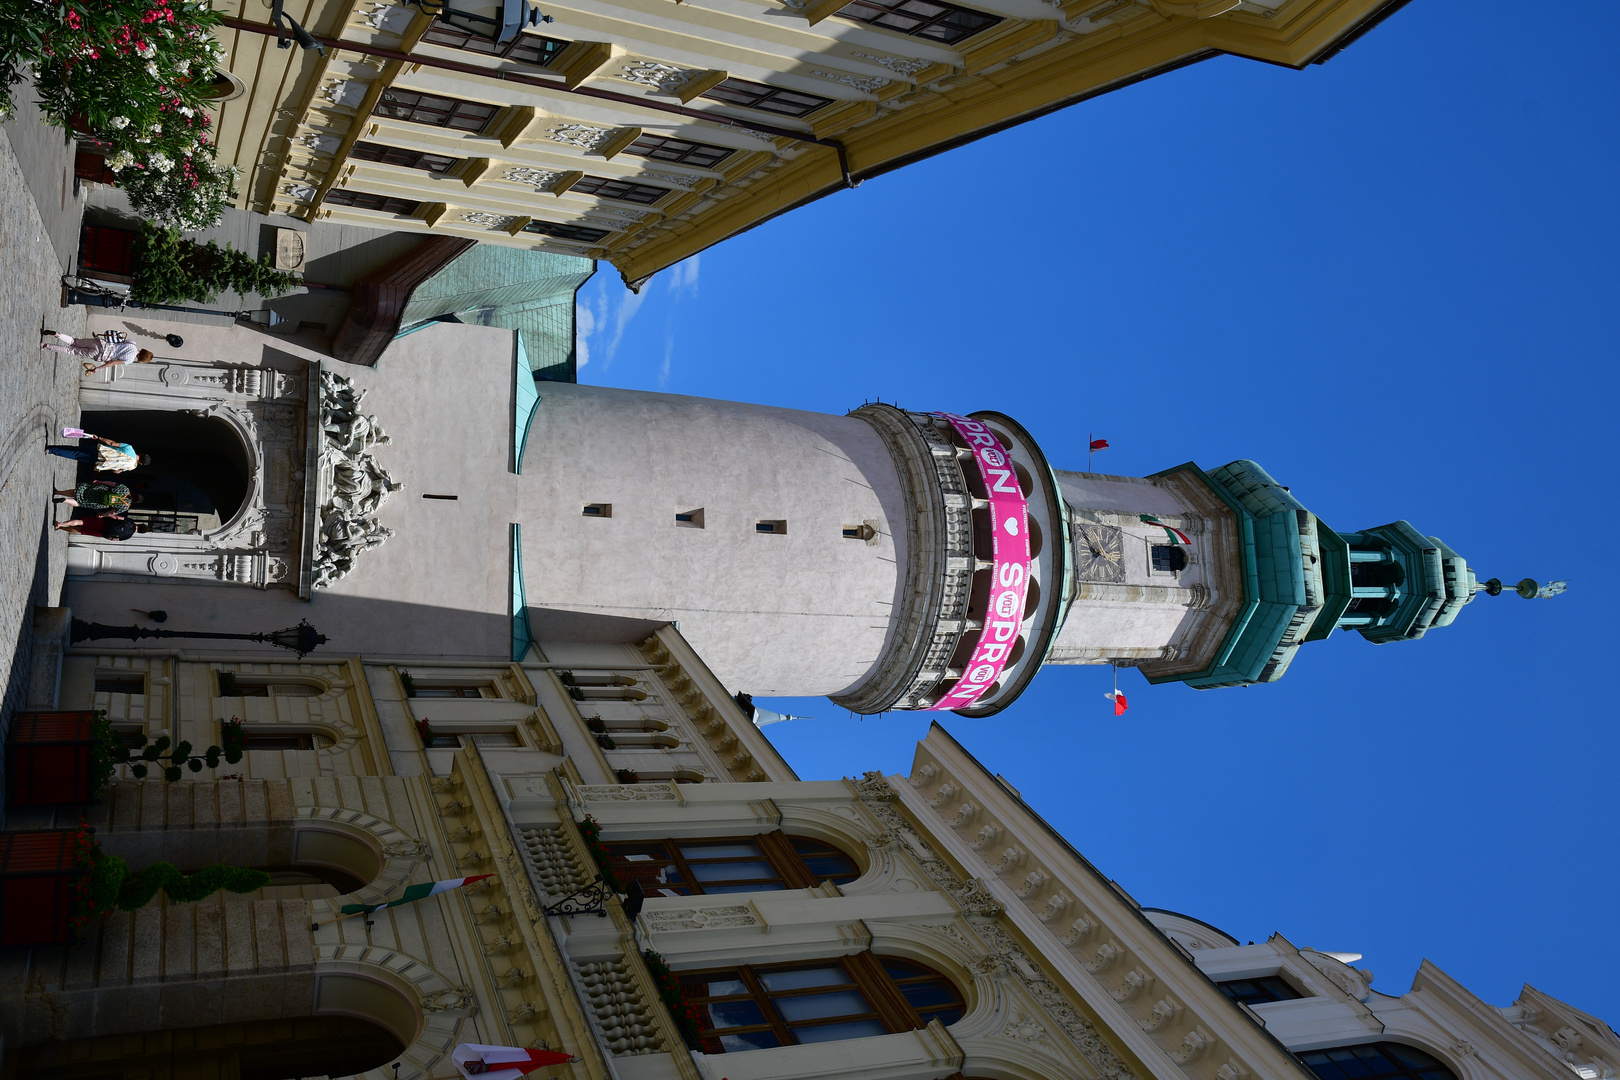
(689, 519)
(767, 863)
(525, 48)
(130, 736)
(678, 151)
(120, 683)
(945, 23)
(597, 510)
(455, 740)
(565, 232)
(753, 95)
(453, 690)
(1259, 990)
(776, 527)
(401, 156)
(624, 190)
(278, 740)
(365, 200)
(419, 108)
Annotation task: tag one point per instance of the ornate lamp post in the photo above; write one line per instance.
(301, 639)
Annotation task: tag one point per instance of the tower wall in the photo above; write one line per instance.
(805, 611)
(1126, 611)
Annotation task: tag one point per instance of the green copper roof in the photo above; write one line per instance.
(1301, 580)
(531, 292)
(1283, 588)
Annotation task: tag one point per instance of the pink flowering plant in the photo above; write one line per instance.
(136, 76)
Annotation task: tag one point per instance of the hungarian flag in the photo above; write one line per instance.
(474, 1060)
(1119, 702)
(1099, 444)
(413, 893)
(1176, 535)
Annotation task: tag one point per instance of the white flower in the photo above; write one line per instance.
(120, 161)
(152, 68)
(120, 122)
(186, 110)
(160, 161)
(147, 51)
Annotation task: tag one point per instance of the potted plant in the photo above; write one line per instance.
(590, 830)
(687, 1016)
(627, 776)
(169, 269)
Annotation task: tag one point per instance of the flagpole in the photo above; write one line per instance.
(1091, 437)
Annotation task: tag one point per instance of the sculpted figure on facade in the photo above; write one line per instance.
(353, 486)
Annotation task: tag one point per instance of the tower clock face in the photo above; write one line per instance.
(1099, 552)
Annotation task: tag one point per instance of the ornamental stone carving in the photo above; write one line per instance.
(584, 136)
(351, 486)
(718, 918)
(905, 66)
(1355, 983)
(539, 179)
(664, 78)
(866, 84)
(488, 220)
(1080, 1031)
(626, 792)
(344, 93)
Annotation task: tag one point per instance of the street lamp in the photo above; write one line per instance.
(301, 639)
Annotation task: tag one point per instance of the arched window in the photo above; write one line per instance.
(1375, 1061)
(768, 862)
(751, 1007)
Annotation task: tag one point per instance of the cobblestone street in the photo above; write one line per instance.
(38, 393)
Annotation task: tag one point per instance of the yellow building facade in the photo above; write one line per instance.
(640, 132)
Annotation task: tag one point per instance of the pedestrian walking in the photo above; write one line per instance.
(93, 349)
(110, 456)
(103, 495)
(112, 527)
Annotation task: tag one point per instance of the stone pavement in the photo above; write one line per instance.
(38, 390)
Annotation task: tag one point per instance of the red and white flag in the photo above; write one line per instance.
(478, 1062)
(1099, 444)
(1119, 702)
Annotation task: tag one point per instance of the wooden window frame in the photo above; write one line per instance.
(619, 189)
(865, 974)
(451, 691)
(650, 146)
(1266, 988)
(777, 848)
(762, 101)
(579, 234)
(473, 43)
(125, 679)
(422, 113)
(402, 157)
(255, 738)
(895, 9)
(367, 200)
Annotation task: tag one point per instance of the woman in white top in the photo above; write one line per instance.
(95, 348)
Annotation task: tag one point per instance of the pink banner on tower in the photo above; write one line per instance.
(1009, 571)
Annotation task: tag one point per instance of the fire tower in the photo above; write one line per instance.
(894, 559)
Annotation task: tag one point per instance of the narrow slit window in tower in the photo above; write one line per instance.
(689, 519)
(601, 510)
(764, 525)
(859, 532)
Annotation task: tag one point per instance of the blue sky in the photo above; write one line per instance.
(1391, 281)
